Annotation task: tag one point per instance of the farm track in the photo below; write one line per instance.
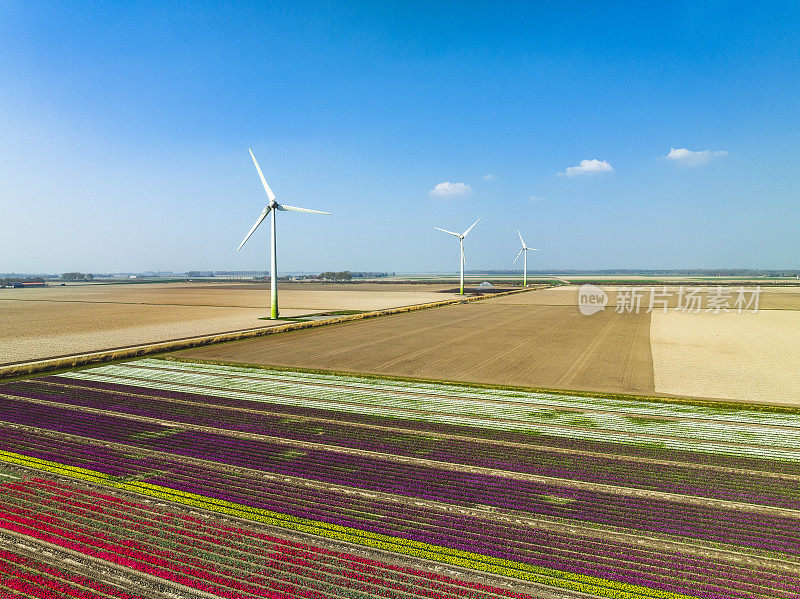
(399, 471)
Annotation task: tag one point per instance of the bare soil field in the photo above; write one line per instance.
(487, 342)
(747, 357)
(770, 298)
(57, 321)
(303, 296)
(37, 330)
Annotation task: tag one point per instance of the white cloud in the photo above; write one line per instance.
(450, 190)
(489, 177)
(536, 199)
(689, 158)
(587, 167)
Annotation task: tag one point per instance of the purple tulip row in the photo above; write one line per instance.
(595, 557)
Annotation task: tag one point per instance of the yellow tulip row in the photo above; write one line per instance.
(474, 561)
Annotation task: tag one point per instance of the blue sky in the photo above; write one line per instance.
(124, 130)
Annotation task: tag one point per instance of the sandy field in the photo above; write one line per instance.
(302, 296)
(58, 321)
(489, 342)
(37, 330)
(770, 298)
(748, 357)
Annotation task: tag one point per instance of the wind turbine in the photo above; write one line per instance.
(273, 206)
(461, 237)
(525, 249)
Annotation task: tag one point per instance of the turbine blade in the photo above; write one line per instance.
(260, 218)
(287, 208)
(533, 250)
(449, 232)
(520, 238)
(518, 255)
(473, 224)
(270, 195)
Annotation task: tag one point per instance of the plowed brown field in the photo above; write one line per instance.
(490, 342)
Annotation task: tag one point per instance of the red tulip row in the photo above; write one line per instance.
(38, 579)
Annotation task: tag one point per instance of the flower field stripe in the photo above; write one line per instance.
(764, 533)
(253, 420)
(85, 508)
(715, 437)
(313, 416)
(428, 391)
(95, 423)
(413, 518)
(224, 535)
(492, 565)
(731, 484)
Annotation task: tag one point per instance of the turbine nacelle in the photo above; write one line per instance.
(525, 248)
(271, 205)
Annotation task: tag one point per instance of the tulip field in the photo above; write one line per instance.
(162, 478)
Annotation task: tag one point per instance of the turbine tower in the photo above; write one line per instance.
(461, 237)
(525, 249)
(273, 206)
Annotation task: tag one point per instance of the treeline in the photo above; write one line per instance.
(77, 276)
(342, 275)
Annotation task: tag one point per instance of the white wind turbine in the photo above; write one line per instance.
(525, 249)
(274, 207)
(461, 237)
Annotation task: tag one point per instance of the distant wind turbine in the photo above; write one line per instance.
(273, 206)
(461, 237)
(525, 249)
